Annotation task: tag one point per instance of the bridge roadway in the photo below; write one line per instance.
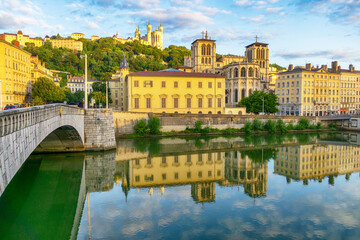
(53, 127)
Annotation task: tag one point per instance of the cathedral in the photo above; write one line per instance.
(151, 38)
(243, 74)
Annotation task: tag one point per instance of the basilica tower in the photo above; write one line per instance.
(203, 54)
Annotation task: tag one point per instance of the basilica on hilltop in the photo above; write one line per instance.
(152, 38)
(243, 74)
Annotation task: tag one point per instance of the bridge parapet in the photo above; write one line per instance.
(16, 119)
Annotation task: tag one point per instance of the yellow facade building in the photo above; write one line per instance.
(118, 87)
(68, 43)
(15, 75)
(350, 86)
(21, 38)
(94, 38)
(77, 36)
(38, 70)
(176, 92)
(308, 91)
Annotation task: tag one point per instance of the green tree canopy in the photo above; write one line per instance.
(254, 102)
(47, 91)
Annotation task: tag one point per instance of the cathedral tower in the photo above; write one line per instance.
(203, 54)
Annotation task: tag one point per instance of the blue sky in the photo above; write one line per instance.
(299, 31)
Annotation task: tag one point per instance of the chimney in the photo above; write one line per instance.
(325, 66)
(334, 66)
(351, 68)
(339, 67)
(308, 66)
(291, 67)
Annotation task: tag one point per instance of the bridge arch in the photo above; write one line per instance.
(26, 129)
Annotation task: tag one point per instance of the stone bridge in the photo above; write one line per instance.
(50, 128)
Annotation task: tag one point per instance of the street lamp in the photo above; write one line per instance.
(85, 81)
(107, 99)
(263, 106)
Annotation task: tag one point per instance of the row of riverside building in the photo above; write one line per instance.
(206, 84)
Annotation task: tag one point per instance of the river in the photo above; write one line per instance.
(290, 186)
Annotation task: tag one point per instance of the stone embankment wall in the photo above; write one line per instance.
(99, 130)
(124, 121)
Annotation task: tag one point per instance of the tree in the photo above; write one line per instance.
(254, 102)
(99, 97)
(47, 91)
(100, 86)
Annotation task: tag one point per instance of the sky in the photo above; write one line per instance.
(298, 31)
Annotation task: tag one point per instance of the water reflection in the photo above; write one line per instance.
(239, 161)
(234, 186)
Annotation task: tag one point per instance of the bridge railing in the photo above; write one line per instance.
(15, 119)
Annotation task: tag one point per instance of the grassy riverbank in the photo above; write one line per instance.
(152, 129)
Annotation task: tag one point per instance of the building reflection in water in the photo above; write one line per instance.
(200, 167)
(317, 161)
(236, 162)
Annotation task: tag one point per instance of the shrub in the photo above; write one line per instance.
(205, 130)
(154, 125)
(270, 126)
(227, 131)
(304, 122)
(318, 125)
(198, 126)
(312, 126)
(332, 125)
(299, 127)
(281, 126)
(258, 125)
(290, 126)
(141, 127)
(248, 127)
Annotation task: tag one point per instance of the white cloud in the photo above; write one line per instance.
(256, 19)
(212, 10)
(142, 4)
(92, 25)
(173, 17)
(274, 10)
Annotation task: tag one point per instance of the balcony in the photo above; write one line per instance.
(19, 93)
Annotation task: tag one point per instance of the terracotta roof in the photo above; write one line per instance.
(202, 39)
(259, 43)
(185, 67)
(176, 74)
(348, 71)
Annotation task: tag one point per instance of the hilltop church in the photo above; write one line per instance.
(152, 38)
(243, 74)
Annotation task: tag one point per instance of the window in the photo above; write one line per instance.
(188, 84)
(176, 102)
(148, 102)
(200, 84)
(219, 102)
(163, 84)
(163, 102)
(136, 83)
(136, 102)
(176, 84)
(148, 83)
(210, 84)
(209, 102)
(219, 84)
(200, 102)
(188, 102)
